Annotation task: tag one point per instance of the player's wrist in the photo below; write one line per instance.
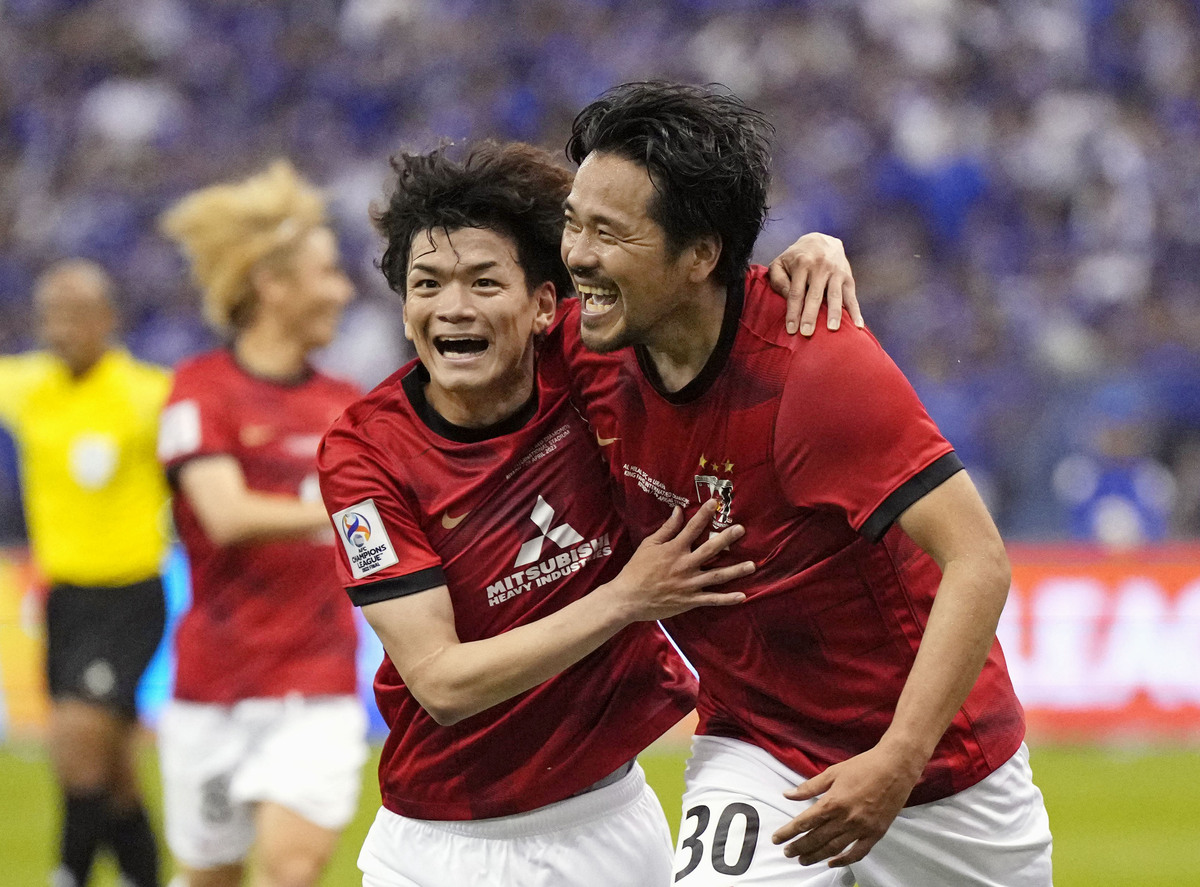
(620, 608)
(908, 749)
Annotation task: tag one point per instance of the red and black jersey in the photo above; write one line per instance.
(517, 521)
(816, 446)
(267, 619)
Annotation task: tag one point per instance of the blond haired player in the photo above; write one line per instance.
(83, 414)
(263, 742)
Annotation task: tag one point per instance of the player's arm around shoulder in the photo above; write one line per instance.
(812, 271)
(454, 680)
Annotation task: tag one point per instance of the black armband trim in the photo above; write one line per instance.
(932, 477)
(400, 586)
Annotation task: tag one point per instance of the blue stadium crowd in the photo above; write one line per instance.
(1017, 184)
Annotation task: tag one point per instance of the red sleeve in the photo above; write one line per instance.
(852, 434)
(384, 553)
(196, 419)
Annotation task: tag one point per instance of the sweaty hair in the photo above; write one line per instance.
(514, 189)
(229, 231)
(707, 153)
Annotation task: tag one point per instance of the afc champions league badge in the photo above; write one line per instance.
(365, 539)
(356, 529)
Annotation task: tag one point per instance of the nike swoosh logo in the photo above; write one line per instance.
(451, 522)
(605, 441)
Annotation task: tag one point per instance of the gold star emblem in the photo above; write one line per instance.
(729, 466)
(703, 461)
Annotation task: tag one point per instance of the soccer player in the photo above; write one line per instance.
(84, 415)
(860, 686)
(523, 674)
(264, 740)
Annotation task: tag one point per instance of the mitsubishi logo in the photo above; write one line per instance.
(562, 535)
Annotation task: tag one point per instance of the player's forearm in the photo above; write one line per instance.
(955, 645)
(460, 680)
(261, 517)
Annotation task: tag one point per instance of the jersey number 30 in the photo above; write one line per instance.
(720, 863)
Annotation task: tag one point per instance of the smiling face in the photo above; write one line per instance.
(630, 285)
(472, 316)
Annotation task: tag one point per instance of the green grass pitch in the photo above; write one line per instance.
(1120, 818)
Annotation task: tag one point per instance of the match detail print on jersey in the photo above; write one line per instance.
(364, 538)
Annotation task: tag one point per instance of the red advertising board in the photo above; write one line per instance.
(1102, 646)
(1106, 645)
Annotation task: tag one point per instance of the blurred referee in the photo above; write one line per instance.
(84, 415)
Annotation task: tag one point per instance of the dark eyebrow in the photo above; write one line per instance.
(473, 269)
(607, 221)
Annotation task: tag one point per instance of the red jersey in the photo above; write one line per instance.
(267, 619)
(816, 446)
(517, 521)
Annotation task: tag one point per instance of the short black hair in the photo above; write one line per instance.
(512, 188)
(707, 153)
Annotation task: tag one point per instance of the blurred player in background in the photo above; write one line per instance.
(84, 415)
(480, 539)
(264, 740)
(861, 685)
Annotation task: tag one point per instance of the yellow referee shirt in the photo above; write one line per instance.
(95, 496)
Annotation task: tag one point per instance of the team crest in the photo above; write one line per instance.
(709, 486)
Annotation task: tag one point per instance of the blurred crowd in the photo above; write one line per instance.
(1017, 184)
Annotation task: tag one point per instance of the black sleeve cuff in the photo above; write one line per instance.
(909, 492)
(401, 586)
(173, 469)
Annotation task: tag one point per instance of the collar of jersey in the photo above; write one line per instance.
(283, 382)
(414, 383)
(704, 380)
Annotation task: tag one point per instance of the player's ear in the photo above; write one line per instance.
(268, 284)
(546, 303)
(408, 334)
(703, 255)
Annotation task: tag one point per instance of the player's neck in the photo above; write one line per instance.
(265, 352)
(483, 407)
(681, 342)
(79, 366)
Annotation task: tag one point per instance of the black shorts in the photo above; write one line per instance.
(100, 640)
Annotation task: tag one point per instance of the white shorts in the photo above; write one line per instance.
(994, 834)
(616, 836)
(305, 754)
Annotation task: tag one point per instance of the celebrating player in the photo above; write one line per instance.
(522, 676)
(84, 415)
(860, 686)
(264, 740)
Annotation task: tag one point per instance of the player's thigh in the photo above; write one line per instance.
(993, 834)
(201, 748)
(616, 836)
(732, 805)
(308, 758)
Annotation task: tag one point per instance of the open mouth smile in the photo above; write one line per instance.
(597, 299)
(460, 347)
